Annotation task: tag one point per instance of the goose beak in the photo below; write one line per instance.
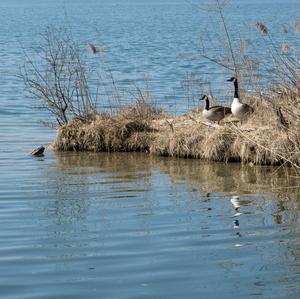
(203, 98)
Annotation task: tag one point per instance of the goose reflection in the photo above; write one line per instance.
(236, 224)
(235, 201)
(238, 203)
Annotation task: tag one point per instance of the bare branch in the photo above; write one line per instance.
(57, 79)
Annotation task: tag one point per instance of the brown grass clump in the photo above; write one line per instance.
(127, 131)
(142, 111)
(260, 140)
(218, 145)
(106, 133)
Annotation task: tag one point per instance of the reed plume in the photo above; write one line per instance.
(262, 28)
(92, 48)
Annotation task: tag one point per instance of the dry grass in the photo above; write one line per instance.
(129, 130)
(259, 141)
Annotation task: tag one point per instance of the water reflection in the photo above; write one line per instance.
(133, 176)
(219, 177)
(162, 219)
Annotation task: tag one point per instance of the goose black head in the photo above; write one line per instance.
(232, 79)
(204, 97)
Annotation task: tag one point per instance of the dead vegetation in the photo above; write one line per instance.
(55, 76)
(129, 130)
(190, 136)
(271, 136)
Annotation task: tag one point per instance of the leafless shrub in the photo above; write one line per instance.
(56, 77)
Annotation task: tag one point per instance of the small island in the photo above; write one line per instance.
(267, 135)
(262, 140)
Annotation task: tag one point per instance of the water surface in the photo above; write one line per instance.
(134, 226)
(113, 225)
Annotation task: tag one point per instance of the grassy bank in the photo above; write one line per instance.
(262, 140)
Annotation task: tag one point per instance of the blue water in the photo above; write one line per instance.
(103, 225)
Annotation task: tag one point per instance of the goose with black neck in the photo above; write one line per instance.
(215, 113)
(239, 109)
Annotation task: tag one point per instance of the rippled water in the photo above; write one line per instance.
(134, 226)
(129, 225)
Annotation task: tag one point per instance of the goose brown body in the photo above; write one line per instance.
(215, 113)
(240, 110)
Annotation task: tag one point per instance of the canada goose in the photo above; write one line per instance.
(239, 109)
(215, 113)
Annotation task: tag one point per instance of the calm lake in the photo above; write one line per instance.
(119, 225)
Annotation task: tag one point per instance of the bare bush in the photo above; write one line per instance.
(56, 77)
